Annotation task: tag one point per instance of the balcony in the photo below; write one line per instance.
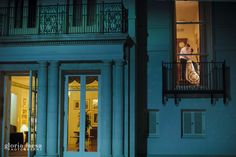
(102, 18)
(202, 80)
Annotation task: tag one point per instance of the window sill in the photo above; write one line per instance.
(193, 136)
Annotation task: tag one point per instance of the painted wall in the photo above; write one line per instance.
(13, 119)
(220, 118)
(20, 95)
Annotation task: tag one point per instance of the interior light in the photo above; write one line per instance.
(23, 128)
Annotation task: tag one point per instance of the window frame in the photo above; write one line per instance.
(205, 31)
(193, 133)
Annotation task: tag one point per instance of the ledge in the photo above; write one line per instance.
(63, 39)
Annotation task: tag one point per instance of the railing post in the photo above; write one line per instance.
(163, 84)
(103, 18)
(122, 16)
(224, 82)
(67, 17)
(39, 18)
(57, 21)
(8, 19)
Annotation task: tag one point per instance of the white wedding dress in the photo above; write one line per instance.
(191, 75)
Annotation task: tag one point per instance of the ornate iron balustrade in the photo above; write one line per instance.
(201, 80)
(64, 19)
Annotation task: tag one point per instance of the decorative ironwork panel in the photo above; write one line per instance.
(56, 19)
(52, 19)
(113, 17)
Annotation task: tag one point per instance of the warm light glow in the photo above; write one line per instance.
(95, 102)
(23, 128)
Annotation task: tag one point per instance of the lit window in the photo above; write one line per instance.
(191, 24)
(193, 123)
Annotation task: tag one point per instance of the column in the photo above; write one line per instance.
(118, 111)
(106, 111)
(52, 122)
(42, 101)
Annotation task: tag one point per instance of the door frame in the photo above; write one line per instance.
(7, 70)
(82, 153)
(79, 69)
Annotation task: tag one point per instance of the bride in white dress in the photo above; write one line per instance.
(191, 75)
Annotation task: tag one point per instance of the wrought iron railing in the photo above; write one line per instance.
(64, 19)
(202, 79)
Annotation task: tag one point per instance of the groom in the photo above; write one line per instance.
(183, 57)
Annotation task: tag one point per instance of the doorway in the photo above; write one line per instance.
(81, 118)
(19, 113)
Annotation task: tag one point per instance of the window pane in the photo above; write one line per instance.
(187, 11)
(73, 114)
(91, 119)
(187, 123)
(188, 33)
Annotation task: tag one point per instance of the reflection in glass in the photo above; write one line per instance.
(91, 117)
(73, 114)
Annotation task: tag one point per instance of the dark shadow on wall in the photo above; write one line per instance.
(141, 82)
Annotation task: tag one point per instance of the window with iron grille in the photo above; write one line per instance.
(193, 123)
(154, 123)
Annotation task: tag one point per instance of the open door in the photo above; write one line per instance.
(18, 93)
(32, 107)
(1, 103)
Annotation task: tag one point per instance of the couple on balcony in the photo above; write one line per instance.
(189, 67)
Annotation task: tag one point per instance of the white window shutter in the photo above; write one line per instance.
(153, 123)
(198, 123)
(193, 123)
(187, 123)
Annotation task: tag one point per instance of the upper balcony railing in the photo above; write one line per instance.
(63, 19)
(195, 79)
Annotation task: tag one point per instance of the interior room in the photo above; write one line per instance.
(188, 32)
(187, 26)
(91, 114)
(19, 114)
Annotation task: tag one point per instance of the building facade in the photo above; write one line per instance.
(105, 78)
